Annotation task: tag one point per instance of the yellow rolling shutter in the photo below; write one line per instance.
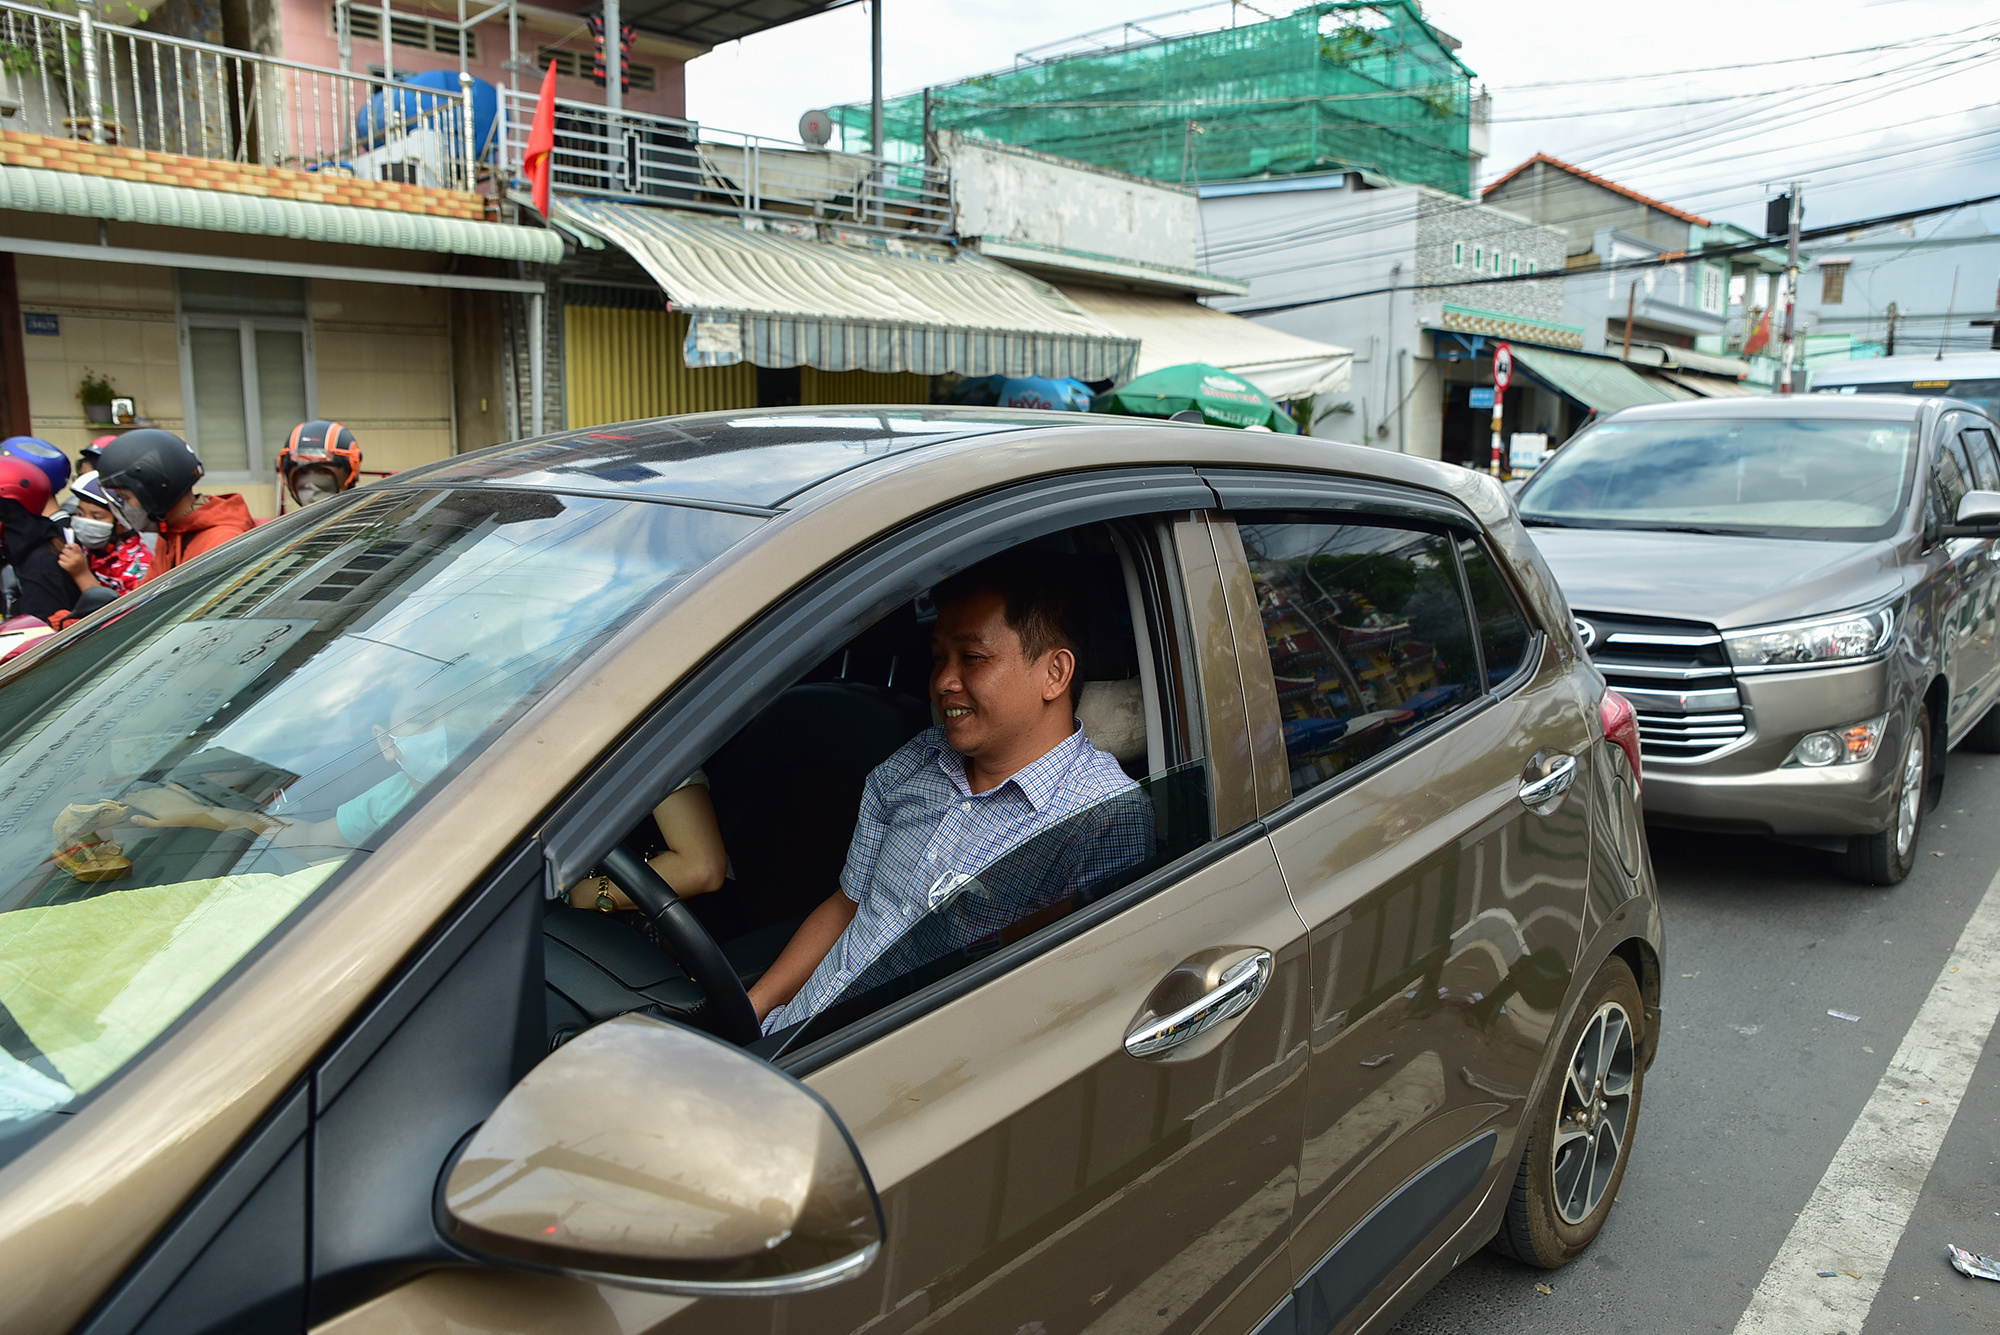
(622, 365)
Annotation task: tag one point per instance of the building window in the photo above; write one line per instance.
(1513, 264)
(1496, 261)
(1458, 254)
(1832, 283)
(246, 367)
(576, 65)
(366, 26)
(1479, 257)
(1531, 266)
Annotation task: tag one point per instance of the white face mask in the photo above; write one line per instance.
(313, 485)
(92, 533)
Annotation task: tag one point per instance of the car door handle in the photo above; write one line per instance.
(1241, 985)
(1562, 773)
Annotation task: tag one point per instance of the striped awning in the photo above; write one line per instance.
(783, 294)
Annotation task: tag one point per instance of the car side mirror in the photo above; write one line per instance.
(1978, 516)
(646, 1155)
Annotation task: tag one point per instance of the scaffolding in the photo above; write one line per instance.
(1331, 86)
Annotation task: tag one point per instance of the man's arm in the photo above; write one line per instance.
(808, 946)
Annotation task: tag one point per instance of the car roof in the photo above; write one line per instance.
(756, 458)
(1868, 407)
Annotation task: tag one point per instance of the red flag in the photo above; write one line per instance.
(542, 142)
(1759, 337)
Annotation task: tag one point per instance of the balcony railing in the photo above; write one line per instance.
(72, 77)
(693, 166)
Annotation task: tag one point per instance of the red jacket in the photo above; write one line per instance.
(213, 521)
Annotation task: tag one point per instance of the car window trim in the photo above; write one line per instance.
(1240, 489)
(894, 1016)
(827, 608)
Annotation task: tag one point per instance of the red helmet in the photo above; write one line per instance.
(322, 444)
(22, 481)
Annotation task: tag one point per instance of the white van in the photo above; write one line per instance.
(1972, 376)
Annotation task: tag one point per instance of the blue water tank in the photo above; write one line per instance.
(428, 94)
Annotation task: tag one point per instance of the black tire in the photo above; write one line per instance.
(1985, 734)
(1886, 857)
(1556, 1210)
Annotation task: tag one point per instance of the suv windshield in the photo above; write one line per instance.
(176, 781)
(1768, 477)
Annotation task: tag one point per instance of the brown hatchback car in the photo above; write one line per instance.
(300, 1029)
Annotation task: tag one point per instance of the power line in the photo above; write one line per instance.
(1622, 266)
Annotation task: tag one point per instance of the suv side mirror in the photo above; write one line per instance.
(1978, 516)
(647, 1155)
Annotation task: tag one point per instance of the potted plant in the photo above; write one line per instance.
(95, 393)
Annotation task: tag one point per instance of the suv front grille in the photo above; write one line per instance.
(1677, 676)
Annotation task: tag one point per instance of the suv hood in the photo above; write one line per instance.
(1729, 582)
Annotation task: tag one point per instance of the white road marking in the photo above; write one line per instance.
(1863, 1203)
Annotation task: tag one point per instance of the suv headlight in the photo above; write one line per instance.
(1835, 639)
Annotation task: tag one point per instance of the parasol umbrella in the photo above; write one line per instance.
(1221, 397)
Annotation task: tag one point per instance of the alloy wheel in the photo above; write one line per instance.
(1909, 804)
(1596, 1109)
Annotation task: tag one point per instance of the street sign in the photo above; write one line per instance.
(1503, 366)
(1482, 398)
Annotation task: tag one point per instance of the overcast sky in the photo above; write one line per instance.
(1914, 122)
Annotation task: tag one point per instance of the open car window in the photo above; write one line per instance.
(177, 780)
(1083, 860)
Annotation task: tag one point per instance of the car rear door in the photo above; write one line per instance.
(1444, 911)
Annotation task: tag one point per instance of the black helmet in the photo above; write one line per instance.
(156, 466)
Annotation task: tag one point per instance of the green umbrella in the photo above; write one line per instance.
(1221, 397)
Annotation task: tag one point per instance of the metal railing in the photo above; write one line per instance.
(633, 155)
(69, 76)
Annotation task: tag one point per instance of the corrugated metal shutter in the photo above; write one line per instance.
(623, 365)
(817, 386)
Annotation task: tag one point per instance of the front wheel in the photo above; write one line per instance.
(1581, 1137)
(1886, 857)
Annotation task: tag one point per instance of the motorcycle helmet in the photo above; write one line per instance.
(320, 444)
(42, 455)
(90, 453)
(156, 466)
(22, 481)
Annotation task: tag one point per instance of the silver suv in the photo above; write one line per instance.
(1799, 595)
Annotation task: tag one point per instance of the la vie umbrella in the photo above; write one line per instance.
(1221, 397)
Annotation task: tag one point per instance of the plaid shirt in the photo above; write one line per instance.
(925, 844)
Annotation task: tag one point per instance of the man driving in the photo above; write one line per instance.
(1008, 762)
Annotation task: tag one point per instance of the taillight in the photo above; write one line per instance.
(1621, 725)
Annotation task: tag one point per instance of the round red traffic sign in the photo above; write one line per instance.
(1503, 365)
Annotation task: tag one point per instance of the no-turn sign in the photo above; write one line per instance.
(1503, 365)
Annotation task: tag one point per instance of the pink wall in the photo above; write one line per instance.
(309, 39)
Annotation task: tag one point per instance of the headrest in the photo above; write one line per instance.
(1113, 714)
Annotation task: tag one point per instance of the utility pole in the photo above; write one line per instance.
(1788, 357)
(1890, 351)
(1631, 295)
(875, 95)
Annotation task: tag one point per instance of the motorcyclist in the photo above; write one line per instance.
(34, 581)
(320, 459)
(105, 552)
(151, 474)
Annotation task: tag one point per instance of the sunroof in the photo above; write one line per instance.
(754, 458)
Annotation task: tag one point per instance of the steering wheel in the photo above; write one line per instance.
(728, 1014)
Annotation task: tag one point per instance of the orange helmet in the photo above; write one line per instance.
(321, 444)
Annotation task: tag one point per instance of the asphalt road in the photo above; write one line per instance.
(1756, 1087)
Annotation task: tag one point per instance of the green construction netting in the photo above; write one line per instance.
(1330, 86)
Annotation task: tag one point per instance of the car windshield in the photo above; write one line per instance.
(1800, 477)
(177, 780)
